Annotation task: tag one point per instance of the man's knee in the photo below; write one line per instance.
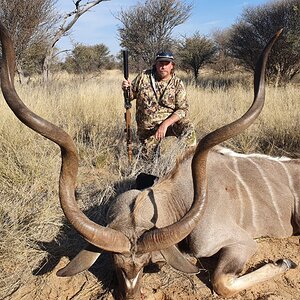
(185, 131)
(149, 147)
(190, 139)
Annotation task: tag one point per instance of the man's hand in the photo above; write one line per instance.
(161, 131)
(163, 127)
(126, 84)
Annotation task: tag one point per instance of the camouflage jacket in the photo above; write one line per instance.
(157, 100)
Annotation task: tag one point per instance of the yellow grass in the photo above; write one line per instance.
(91, 111)
(276, 132)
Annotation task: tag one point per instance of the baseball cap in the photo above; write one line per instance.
(164, 56)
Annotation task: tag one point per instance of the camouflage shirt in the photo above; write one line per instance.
(157, 100)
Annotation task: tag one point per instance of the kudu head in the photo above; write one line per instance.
(132, 249)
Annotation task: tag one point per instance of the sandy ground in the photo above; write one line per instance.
(163, 284)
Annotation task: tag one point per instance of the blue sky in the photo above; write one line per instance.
(99, 26)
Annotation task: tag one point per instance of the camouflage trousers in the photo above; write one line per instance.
(183, 130)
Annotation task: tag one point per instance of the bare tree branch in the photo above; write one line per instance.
(68, 21)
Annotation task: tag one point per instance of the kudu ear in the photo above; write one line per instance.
(178, 261)
(81, 262)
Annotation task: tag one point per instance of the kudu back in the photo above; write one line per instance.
(215, 199)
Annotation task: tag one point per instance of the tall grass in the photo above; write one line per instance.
(91, 112)
(276, 132)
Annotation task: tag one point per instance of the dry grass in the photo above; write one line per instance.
(274, 133)
(92, 112)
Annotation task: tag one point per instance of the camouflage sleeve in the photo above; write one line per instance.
(135, 87)
(181, 105)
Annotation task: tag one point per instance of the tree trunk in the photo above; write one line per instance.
(23, 79)
(47, 64)
(196, 74)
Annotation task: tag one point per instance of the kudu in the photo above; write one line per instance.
(216, 201)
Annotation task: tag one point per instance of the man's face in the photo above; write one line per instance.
(164, 69)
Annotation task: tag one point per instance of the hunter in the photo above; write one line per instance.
(161, 107)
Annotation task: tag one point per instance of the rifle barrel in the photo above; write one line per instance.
(125, 64)
(127, 103)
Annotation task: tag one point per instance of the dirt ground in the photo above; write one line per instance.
(163, 284)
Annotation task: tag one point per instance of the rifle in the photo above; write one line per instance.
(127, 106)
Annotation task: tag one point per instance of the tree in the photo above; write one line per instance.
(30, 23)
(196, 51)
(256, 26)
(32, 61)
(69, 19)
(87, 59)
(147, 28)
(222, 62)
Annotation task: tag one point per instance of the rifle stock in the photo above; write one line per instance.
(127, 106)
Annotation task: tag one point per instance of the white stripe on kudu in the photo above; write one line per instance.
(268, 184)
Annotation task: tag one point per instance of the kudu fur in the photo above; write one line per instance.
(218, 201)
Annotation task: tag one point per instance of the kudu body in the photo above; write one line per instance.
(218, 202)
